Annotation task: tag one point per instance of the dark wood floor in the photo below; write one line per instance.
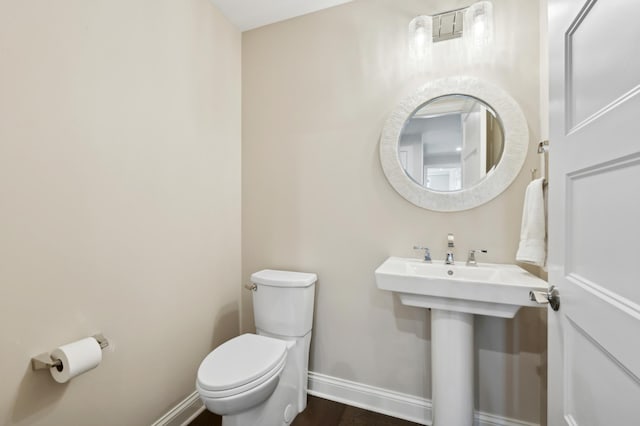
(321, 412)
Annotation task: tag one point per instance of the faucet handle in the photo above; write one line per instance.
(450, 241)
(471, 258)
(427, 253)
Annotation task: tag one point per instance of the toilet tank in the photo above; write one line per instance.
(283, 302)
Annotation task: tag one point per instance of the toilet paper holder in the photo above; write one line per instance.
(45, 362)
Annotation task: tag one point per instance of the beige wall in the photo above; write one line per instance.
(316, 92)
(119, 201)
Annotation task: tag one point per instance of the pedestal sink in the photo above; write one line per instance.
(455, 293)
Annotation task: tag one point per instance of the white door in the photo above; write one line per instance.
(594, 212)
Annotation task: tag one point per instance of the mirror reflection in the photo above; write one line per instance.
(451, 143)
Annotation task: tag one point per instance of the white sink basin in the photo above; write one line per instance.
(486, 289)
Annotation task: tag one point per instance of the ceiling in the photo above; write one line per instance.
(249, 14)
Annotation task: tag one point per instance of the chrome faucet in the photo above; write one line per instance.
(449, 260)
(471, 258)
(427, 253)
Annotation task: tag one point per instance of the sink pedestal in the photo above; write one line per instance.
(452, 368)
(455, 293)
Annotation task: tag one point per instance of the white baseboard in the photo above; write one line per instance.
(390, 403)
(183, 413)
(383, 401)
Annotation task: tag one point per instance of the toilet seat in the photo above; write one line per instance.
(241, 364)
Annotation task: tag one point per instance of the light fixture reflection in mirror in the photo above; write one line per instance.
(451, 143)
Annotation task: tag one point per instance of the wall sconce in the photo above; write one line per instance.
(478, 22)
(473, 23)
(420, 37)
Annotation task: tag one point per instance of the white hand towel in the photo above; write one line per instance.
(532, 247)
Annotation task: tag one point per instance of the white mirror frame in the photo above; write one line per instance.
(516, 141)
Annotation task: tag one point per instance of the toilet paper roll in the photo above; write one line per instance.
(77, 358)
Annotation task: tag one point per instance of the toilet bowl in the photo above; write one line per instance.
(241, 373)
(260, 379)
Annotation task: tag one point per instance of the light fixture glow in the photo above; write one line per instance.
(420, 37)
(478, 27)
(474, 24)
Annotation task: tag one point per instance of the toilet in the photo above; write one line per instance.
(261, 379)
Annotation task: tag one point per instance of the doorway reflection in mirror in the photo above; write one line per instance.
(451, 143)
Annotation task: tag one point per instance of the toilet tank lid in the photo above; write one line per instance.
(273, 278)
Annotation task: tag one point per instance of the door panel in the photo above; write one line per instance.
(592, 241)
(594, 213)
(590, 57)
(595, 310)
(588, 392)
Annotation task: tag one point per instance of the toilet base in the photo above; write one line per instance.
(278, 410)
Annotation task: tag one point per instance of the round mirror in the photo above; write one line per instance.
(455, 144)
